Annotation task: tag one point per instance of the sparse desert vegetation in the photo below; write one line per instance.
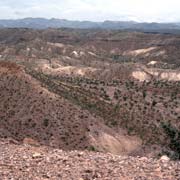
(91, 90)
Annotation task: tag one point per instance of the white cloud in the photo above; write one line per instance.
(95, 10)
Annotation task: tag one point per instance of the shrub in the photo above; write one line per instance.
(46, 122)
(154, 103)
(92, 148)
(144, 94)
(174, 137)
(114, 123)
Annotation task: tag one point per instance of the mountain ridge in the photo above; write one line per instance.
(43, 23)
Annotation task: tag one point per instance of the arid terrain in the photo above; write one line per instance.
(79, 98)
(22, 162)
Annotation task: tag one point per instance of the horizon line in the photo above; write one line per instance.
(89, 20)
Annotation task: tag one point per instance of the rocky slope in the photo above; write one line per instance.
(22, 162)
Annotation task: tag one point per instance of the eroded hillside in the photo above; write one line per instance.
(100, 90)
(30, 111)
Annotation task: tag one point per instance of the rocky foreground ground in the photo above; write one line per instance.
(24, 162)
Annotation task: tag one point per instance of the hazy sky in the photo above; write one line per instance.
(94, 10)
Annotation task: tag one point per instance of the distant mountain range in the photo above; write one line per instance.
(42, 23)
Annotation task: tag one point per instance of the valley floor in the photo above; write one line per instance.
(22, 162)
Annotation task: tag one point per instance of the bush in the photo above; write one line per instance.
(46, 122)
(92, 148)
(154, 103)
(174, 137)
(144, 94)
